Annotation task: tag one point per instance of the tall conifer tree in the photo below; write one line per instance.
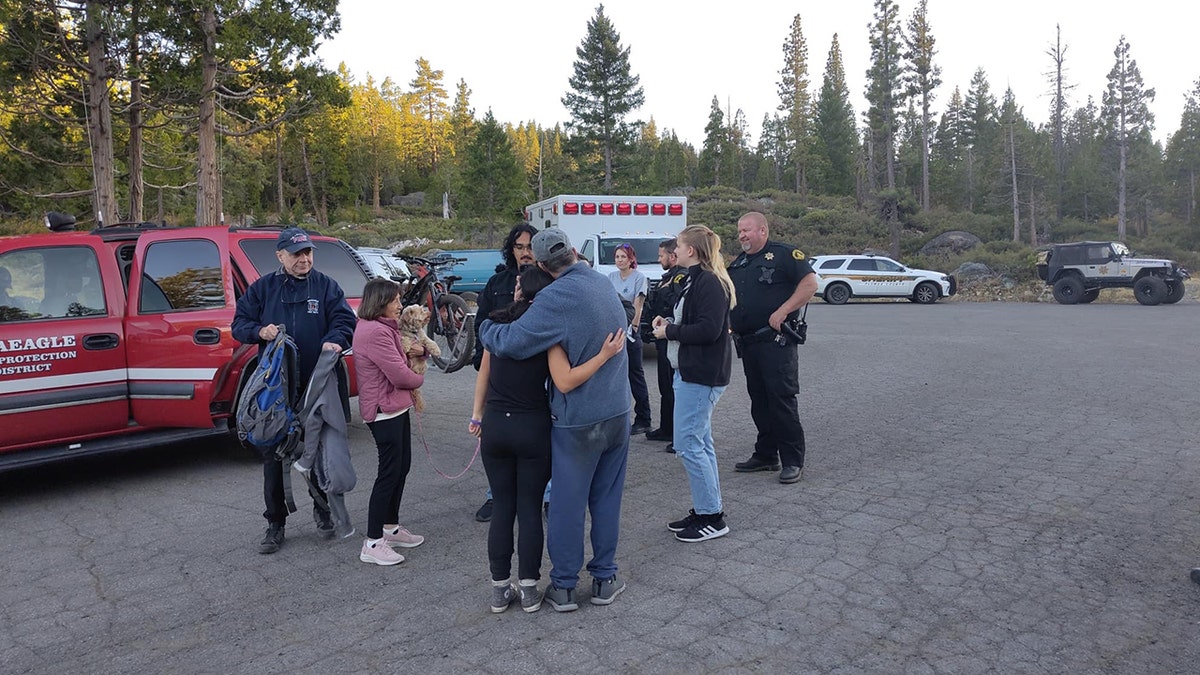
(835, 136)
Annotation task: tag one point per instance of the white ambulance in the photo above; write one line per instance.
(598, 224)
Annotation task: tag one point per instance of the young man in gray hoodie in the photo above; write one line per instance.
(589, 436)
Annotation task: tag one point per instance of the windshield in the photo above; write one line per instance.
(1120, 249)
(646, 250)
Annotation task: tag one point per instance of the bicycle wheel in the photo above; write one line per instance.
(455, 336)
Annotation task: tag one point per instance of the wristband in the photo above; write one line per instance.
(476, 422)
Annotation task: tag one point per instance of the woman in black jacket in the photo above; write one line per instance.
(700, 350)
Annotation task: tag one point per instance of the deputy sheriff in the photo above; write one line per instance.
(773, 281)
(662, 301)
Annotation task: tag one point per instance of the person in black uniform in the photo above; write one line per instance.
(662, 303)
(773, 281)
(497, 293)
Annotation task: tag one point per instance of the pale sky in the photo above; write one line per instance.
(517, 55)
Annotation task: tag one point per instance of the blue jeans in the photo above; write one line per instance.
(693, 440)
(588, 465)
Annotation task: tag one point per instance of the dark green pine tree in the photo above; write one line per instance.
(716, 142)
(922, 78)
(984, 148)
(1086, 192)
(836, 139)
(1183, 157)
(795, 102)
(948, 183)
(493, 181)
(883, 104)
(1126, 115)
(603, 93)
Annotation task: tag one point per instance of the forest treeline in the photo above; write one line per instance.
(217, 111)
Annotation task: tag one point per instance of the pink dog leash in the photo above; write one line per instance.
(429, 455)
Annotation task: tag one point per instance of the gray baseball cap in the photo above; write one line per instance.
(550, 243)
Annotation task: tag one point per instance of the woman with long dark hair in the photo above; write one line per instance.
(511, 417)
(700, 350)
(385, 386)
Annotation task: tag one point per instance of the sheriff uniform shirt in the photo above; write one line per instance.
(764, 281)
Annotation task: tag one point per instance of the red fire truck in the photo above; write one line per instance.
(120, 337)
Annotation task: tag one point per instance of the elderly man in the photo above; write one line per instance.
(589, 435)
(313, 309)
(773, 281)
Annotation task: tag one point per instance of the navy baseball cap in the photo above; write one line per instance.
(293, 240)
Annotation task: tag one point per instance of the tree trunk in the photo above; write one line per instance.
(137, 183)
(308, 177)
(99, 119)
(925, 152)
(607, 167)
(1033, 240)
(208, 180)
(279, 171)
(1016, 203)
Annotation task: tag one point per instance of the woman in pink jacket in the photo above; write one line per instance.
(385, 385)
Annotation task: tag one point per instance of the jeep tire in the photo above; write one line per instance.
(1089, 296)
(1068, 290)
(1175, 292)
(1150, 290)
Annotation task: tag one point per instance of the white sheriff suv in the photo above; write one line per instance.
(841, 277)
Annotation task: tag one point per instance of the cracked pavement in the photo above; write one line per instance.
(989, 488)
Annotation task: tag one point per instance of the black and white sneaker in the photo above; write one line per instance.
(704, 527)
(682, 524)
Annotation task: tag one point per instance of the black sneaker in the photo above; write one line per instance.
(1196, 574)
(639, 428)
(273, 539)
(755, 464)
(484, 514)
(682, 524)
(659, 434)
(705, 527)
(324, 521)
(670, 449)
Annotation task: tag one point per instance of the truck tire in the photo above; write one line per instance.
(1089, 296)
(457, 338)
(1068, 290)
(1175, 292)
(1150, 290)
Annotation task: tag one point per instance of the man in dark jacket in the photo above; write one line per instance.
(313, 309)
(497, 293)
(662, 303)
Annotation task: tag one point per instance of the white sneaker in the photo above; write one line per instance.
(380, 554)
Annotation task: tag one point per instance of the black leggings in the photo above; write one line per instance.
(516, 455)
(394, 440)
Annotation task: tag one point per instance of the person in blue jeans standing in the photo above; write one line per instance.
(700, 350)
(589, 434)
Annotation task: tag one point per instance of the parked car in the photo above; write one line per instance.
(384, 263)
(1078, 271)
(473, 272)
(841, 277)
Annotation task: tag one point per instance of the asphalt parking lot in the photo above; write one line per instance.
(989, 488)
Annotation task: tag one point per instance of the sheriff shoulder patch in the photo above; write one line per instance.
(797, 254)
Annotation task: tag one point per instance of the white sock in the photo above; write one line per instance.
(372, 542)
(529, 582)
(394, 530)
(500, 584)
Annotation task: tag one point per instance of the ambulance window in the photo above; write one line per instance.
(181, 275)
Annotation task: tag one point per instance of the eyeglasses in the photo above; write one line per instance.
(522, 247)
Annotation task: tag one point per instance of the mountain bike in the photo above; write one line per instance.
(450, 323)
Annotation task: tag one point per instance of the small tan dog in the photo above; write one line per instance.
(416, 344)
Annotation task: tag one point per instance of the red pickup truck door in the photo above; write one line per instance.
(179, 345)
(62, 352)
